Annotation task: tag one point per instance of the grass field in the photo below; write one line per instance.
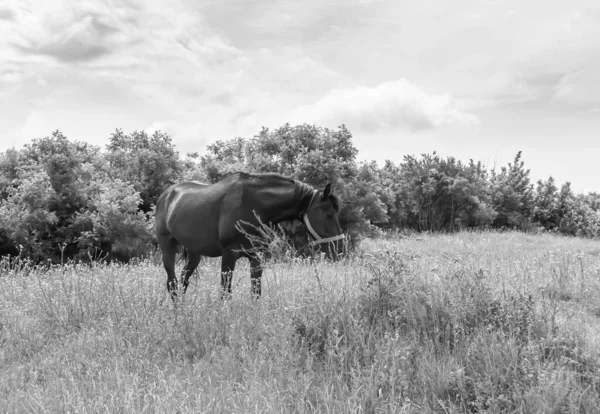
(472, 322)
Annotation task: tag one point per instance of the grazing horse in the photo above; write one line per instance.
(203, 217)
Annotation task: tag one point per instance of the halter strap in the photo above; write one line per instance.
(318, 239)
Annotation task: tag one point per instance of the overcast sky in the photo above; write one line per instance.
(468, 78)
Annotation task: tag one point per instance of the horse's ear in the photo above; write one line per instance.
(328, 191)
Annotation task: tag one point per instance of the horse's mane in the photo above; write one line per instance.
(248, 175)
(303, 191)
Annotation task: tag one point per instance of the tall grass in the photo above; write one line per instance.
(473, 322)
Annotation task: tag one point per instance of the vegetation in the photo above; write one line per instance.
(439, 315)
(63, 200)
(467, 322)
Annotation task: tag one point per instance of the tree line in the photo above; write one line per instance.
(63, 199)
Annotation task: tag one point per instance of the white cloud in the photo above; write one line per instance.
(6, 14)
(220, 68)
(121, 65)
(292, 70)
(178, 130)
(580, 87)
(387, 106)
(253, 24)
(70, 31)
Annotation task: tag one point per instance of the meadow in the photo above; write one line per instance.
(470, 322)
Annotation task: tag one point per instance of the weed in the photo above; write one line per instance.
(470, 322)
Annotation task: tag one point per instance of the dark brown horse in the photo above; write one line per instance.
(202, 218)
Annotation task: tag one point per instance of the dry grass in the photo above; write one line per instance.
(474, 322)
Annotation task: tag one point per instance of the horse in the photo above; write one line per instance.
(204, 219)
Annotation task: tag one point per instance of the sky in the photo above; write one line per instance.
(473, 79)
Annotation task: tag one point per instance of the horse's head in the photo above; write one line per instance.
(323, 223)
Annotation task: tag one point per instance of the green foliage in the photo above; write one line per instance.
(113, 225)
(374, 192)
(579, 217)
(62, 161)
(9, 165)
(307, 153)
(149, 163)
(443, 194)
(25, 215)
(61, 203)
(565, 212)
(62, 199)
(546, 210)
(512, 195)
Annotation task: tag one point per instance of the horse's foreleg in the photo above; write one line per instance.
(255, 276)
(192, 263)
(227, 267)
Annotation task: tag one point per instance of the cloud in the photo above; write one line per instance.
(10, 73)
(288, 71)
(162, 52)
(188, 135)
(580, 87)
(224, 98)
(269, 86)
(7, 14)
(177, 129)
(81, 31)
(551, 52)
(517, 86)
(387, 106)
(254, 24)
(82, 42)
(218, 69)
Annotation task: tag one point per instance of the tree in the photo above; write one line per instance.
(9, 165)
(59, 161)
(304, 152)
(545, 204)
(149, 163)
(512, 195)
(52, 206)
(25, 216)
(62, 199)
(224, 158)
(113, 227)
(373, 193)
(438, 193)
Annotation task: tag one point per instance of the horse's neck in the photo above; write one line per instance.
(280, 202)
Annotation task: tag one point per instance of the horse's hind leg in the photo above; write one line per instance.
(168, 246)
(192, 263)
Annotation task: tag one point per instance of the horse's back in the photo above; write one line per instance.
(188, 212)
(169, 198)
